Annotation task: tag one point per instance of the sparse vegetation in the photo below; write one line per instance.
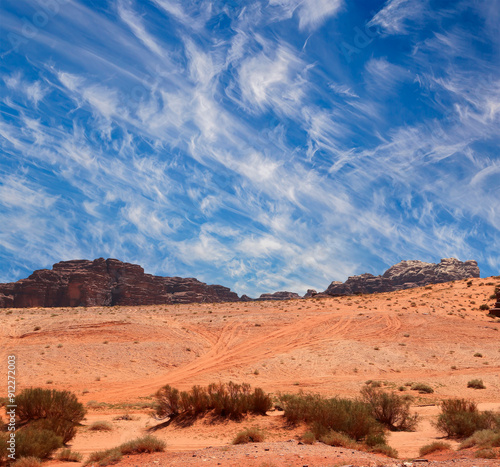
(67, 455)
(49, 409)
(482, 439)
(101, 425)
(250, 435)
(308, 437)
(391, 410)
(434, 447)
(476, 384)
(28, 462)
(35, 442)
(137, 446)
(225, 400)
(460, 418)
(422, 388)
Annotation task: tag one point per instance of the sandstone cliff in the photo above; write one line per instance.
(106, 282)
(405, 275)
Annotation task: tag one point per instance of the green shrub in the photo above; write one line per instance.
(434, 447)
(336, 439)
(351, 417)
(225, 400)
(101, 425)
(250, 435)
(38, 403)
(476, 384)
(460, 418)
(63, 428)
(422, 388)
(482, 438)
(28, 462)
(67, 455)
(35, 442)
(390, 409)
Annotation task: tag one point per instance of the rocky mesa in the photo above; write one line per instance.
(106, 282)
(405, 275)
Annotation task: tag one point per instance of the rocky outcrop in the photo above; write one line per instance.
(405, 275)
(310, 293)
(495, 311)
(106, 282)
(279, 296)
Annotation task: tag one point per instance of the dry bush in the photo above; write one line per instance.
(460, 418)
(28, 462)
(486, 454)
(144, 444)
(483, 439)
(434, 447)
(63, 428)
(422, 388)
(101, 425)
(229, 400)
(390, 409)
(385, 450)
(250, 435)
(103, 458)
(137, 446)
(336, 439)
(67, 455)
(476, 384)
(308, 438)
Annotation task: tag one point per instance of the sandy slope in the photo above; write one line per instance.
(331, 346)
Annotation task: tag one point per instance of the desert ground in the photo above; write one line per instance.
(116, 358)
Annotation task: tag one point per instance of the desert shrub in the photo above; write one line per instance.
(63, 428)
(67, 455)
(229, 400)
(250, 435)
(308, 437)
(476, 384)
(336, 439)
(460, 418)
(136, 446)
(434, 447)
(28, 462)
(486, 453)
(102, 458)
(38, 403)
(144, 444)
(101, 425)
(484, 306)
(375, 439)
(390, 409)
(386, 450)
(351, 417)
(482, 438)
(35, 442)
(422, 388)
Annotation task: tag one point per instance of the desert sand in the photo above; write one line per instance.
(116, 358)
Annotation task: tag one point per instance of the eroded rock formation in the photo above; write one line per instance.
(279, 296)
(405, 275)
(106, 282)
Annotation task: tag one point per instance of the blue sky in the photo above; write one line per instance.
(264, 145)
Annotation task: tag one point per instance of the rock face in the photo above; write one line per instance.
(279, 296)
(405, 275)
(495, 311)
(106, 282)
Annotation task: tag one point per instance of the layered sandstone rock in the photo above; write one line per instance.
(106, 282)
(406, 274)
(495, 311)
(279, 296)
